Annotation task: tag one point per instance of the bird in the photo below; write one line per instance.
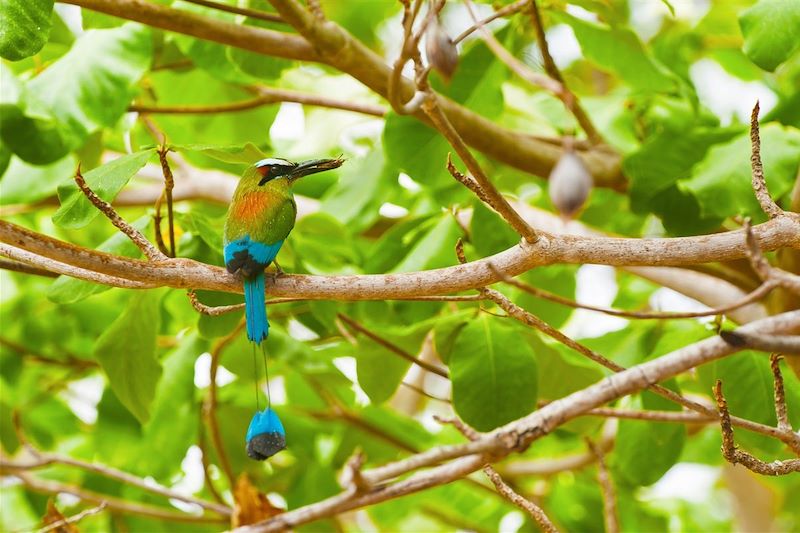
(260, 217)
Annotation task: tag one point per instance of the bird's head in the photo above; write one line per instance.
(274, 168)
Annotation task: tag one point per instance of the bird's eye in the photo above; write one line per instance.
(270, 172)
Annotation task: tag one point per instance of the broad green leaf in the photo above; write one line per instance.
(562, 371)
(26, 27)
(445, 333)
(172, 427)
(32, 134)
(127, 353)
(771, 29)
(722, 181)
(361, 190)
(489, 233)
(248, 153)
(666, 158)
(67, 290)
(106, 181)
(91, 86)
(644, 451)
(558, 279)
(380, 369)
(619, 50)
(23, 183)
(323, 244)
(748, 388)
(495, 377)
(435, 250)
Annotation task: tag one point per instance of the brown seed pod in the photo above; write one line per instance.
(442, 53)
(570, 184)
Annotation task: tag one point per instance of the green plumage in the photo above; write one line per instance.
(266, 213)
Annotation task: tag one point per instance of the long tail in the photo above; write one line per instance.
(255, 309)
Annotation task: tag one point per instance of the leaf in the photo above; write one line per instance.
(435, 249)
(127, 353)
(172, 428)
(489, 233)
(771, 29)
(722, 181)
(495, 377)
(619, 50)
(26, 27)
(558, 279)
(250, 505)
(106, 181)
(247, 153)
(323, 244)
(91, 86)
(67, 290)
(644, 451)
(380, 370)
(57, 520)
(25, 183)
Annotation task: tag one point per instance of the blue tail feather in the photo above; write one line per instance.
(255, 308)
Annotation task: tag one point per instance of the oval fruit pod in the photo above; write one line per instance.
(570, 184)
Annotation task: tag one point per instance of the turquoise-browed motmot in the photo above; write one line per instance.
(260, 217)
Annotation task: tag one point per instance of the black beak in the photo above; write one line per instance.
(313, 166)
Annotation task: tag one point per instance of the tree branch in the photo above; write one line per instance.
(536, 512)
(343, 51)
(42, 251)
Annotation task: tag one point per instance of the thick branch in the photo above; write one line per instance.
(349, 55)
(186, 273)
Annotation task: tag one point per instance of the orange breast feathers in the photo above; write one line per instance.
(250, 206)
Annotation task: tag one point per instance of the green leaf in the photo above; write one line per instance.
(562, 371)
(722, 181)
(619, 50)
(247, 153)
(435, 249)
(91, 86)
(380, 369)
(26, 27)
(67, 290)
(173, 425)
(27, 183)
(362, 188)
(771, 29)
(644, 451)
(559, 280)
(106, 181)
(323, 244)
(127, 353)
(495, 377)
(489, 233)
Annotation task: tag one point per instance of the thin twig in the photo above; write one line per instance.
(780, 395)
(736, 456)
(571, 101)
(765, 271)
(267, 96)
(515, 65)
(789, 438)
(681, 417)
(496, 200)
(525, 504)
(252, 13)
(768, 205)
(58, 524)
(157, 223)
(606, 489)
(504, 11)
(150, 251)
(749, 298)
(44, 459)
(169, 184)
(393, 347)
(201, 443)
(117, 504)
